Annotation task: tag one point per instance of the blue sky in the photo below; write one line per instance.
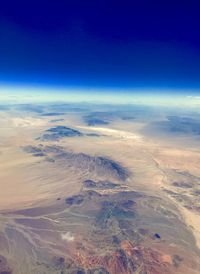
(101, 44)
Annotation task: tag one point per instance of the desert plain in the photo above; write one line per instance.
(98, 189)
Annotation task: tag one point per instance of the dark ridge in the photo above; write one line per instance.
(122, 203)
(188, 175)
(92, 194)
(105, 117)
(98, 118)
(41, 154)
(183, 124)
(110, 211)
(98, 165)
(53, 149)
(32, 149)
(120, 209)
(101, 166)
(182, 184)
(57, 120)
(79, 271)
(127, 203)
(93, 135)
(110, 208)
(53, 114)
(182, 178)
(64, 130)
(95, 121)
(179, 197)
(59, 262)
(128, 118)
(4, 268)
(74, 200)
(89, 184)
(99, 184)
(41, 150)
(112, 165)
(58, 132)
(177, 125)
(196, 192)
(98, 271)
(35, 151)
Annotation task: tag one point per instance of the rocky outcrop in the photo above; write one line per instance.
(129, 259)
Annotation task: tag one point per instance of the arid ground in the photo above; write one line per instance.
(91, 189)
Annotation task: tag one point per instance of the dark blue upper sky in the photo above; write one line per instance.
(142, 44)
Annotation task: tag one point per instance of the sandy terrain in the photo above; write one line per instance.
(37, 176)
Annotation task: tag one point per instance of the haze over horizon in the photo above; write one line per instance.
(188, 99)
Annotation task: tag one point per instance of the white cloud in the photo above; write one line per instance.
(67, 237)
